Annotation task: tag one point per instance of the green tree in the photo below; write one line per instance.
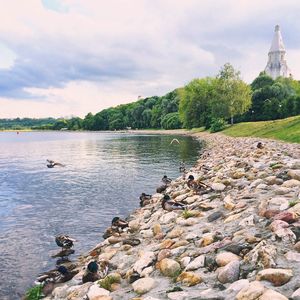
(233, 95)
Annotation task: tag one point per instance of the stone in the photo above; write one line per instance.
(282, 191)
(143, 285)
(166, 244)
(270, 294)
(169, 267)
(184, 262)
(294, 174)
(178, 296)
(270, 180)
(146, 233)
(168, 218)
(96, 291)
(292, 256)
(286, 216)
(232, 218)
(228, 203)
(249, 221)
(237, 286)
(224, 258)
(165, 253)
(277, 277)
(134, 225)
(207, 239)
(219, 187)
(280, 203)
(77, 292)
(179, 244)
(291, 183)
(263, 255)
(214, 216)
(145, 259)
(251, 292)
(176, 232)
(197, 263)
(297, 246)
(189, 278)
(156, 229)
(296, 295)
(229, 273)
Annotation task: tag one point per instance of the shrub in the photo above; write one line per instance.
(217, 124)
(34, 293)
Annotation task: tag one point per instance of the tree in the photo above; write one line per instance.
(233, 95)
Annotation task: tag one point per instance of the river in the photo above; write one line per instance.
(104, 175)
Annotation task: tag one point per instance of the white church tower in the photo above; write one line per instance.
(277, 65)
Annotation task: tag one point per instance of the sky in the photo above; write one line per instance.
(65, 58)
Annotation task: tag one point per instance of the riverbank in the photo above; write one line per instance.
(238, 241)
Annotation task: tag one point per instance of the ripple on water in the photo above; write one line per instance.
(104, 176)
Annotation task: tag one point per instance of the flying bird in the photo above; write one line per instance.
(174, 141)
(52, 164)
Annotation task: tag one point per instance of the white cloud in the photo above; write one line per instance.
(76, 56)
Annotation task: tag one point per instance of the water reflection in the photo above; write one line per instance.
(104, 176)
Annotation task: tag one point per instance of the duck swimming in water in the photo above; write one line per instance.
(52, 164)
(170, 205)
(166, 180)
(119, 223)
(64, 241)
(145, 199)
(91, 274)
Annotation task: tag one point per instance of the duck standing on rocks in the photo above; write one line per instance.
(145, 199)
(170, 205)
(50, 279)
(64, 241)
(91, 274)
(166, 180)
(119, 223)
(197, 186)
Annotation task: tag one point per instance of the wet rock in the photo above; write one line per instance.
(189, 278)
(169, 267)
(277, 277)
(143, 285)
(224, 258)
(251, 292)
(229, 273)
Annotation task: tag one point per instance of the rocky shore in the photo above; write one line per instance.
(239, 241)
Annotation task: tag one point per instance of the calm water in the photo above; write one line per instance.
(104, 175)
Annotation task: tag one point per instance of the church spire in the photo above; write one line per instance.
(277, 65)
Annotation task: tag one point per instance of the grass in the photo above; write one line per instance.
(188, 214)
(293, 203)
(285, 129)
(108, 281)
(34, 293)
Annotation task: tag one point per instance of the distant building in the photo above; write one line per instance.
(277, 65)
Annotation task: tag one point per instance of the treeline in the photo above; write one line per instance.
(27, 123)
(212, 102)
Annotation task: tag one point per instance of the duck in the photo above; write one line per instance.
(52, 164)
(64, 241)
(197, 185)
(170, 205)
(145, 199)
(119, 223)
(161, 189)
(259, 145)
(166, 180)
(111, 231)
(91, 274)
(51, 278)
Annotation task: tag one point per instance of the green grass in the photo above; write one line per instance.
(293, 203)
(34, 293)
(286, 129)
(108, 281)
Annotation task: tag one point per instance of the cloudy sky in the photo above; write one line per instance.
(70, 57)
